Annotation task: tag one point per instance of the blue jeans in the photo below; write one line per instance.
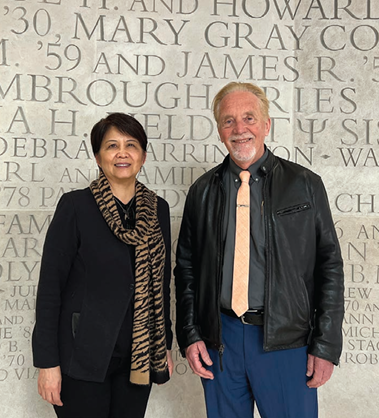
(275, 380)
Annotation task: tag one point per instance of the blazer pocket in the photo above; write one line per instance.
(75, 322)
(293, 209)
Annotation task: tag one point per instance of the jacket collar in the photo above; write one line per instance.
(268, 164)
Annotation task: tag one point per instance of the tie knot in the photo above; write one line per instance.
(245, 176)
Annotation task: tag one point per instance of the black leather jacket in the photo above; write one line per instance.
(304, 285)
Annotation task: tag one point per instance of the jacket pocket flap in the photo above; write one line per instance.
(75, 322)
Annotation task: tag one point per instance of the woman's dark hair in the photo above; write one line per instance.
(124, 123)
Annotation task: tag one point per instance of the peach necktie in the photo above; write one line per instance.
(240, 303)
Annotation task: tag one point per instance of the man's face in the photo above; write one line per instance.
(242, 128)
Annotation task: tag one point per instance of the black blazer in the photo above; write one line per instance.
(86, 270)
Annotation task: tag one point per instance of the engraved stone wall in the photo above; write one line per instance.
(64, 64)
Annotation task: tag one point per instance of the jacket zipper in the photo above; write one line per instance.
(221, 346)
(268, 260)
(293, 209)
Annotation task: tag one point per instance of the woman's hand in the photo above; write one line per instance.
(49, 385)
(170, 362)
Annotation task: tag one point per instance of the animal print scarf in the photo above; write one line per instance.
(149, 361)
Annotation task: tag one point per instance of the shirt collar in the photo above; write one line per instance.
(254, 169)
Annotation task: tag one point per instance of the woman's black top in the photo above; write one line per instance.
(122, 348)
(84, 310)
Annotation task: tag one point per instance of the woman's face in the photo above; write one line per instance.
(120, 156)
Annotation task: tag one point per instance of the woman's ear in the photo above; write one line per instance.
(97, 158)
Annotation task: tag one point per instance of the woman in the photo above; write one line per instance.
(103, 332)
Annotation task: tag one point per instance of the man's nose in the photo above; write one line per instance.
(239, 127)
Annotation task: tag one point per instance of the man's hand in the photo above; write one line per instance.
(321, 370)
(49, 385)
(170, 362)
(194, 353)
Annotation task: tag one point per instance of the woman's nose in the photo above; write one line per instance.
(122, 152)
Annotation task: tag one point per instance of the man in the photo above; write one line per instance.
(282, 343)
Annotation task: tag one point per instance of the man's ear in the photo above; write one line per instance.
(267, 126)
(219, 135)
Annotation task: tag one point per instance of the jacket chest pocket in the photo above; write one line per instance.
(75, 323)
(293, 209)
